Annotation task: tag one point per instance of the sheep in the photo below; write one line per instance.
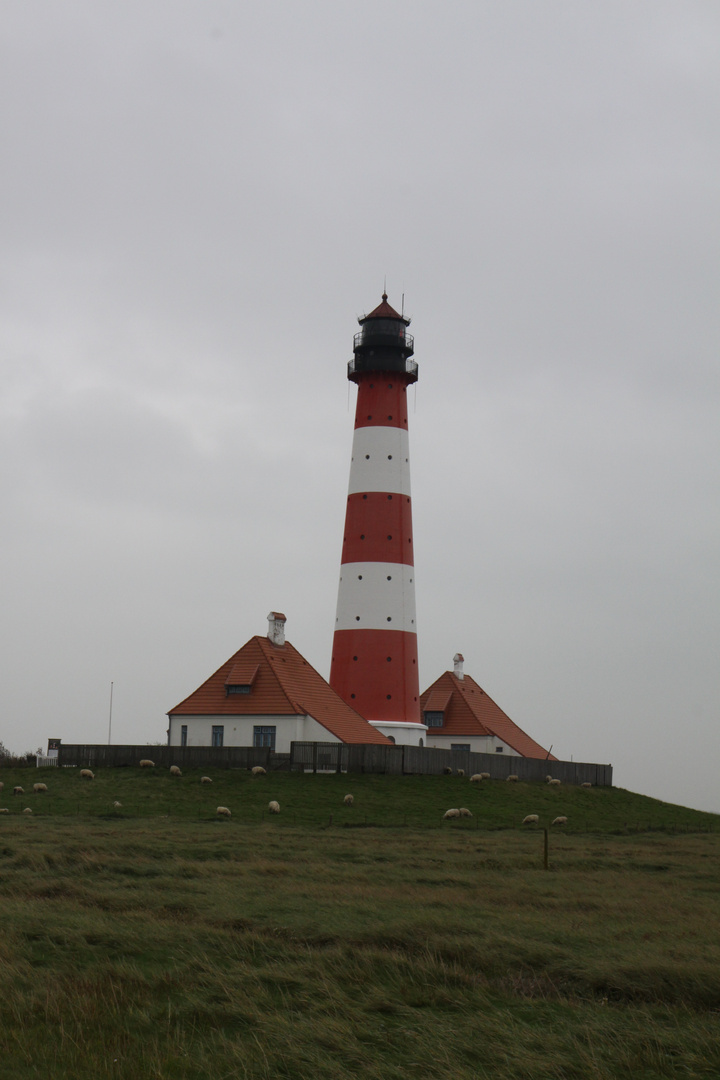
(447, 771)
(461, 772)
(222, 811)
(348, 800)
(27, 810)
(512, 778)
(4, 810)
(146, 763)
(562, 820)
(555, 783)
(548, 779)
(175, 770)
(476, 778)
(451, 814)
(18, 790)
(464, 812)
(531, 819)
(257, 770)
(206, 780)
(87, 774)
(484, 775)
(274, 807)
(37, 788)
(117, 804)
(586, 784)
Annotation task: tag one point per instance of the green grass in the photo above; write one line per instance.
(183, 946)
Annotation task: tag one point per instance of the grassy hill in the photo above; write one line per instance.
(307, 800)
(159, 941)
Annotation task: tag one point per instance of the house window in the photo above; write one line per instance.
(218, 734)
(264, 736)
(240, 688)
(433, 719)
(499, 749)
(459, 746)
(183, 735)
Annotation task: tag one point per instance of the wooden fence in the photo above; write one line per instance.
(337, 757)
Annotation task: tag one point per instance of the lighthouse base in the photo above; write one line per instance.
(404, 734)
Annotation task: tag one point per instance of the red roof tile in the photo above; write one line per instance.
(384, 311)
(438, 700)
(470, 711)
(242, 673)
(285, 685)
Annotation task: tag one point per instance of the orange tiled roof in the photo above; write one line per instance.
(470, 711)
(284, 685)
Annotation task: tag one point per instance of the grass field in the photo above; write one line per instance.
(166, 943)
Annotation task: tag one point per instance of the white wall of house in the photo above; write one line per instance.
(238, 730)
(479, 744)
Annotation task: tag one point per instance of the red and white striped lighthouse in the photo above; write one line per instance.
(374, 661)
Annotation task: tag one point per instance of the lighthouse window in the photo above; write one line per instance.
(388, 696)
(354, 657)
(359, 577)
(389, 577)
(389, 417)
(389, 618)
(357, 618)
(389, 659)
(389, 536)
(389, 457)
(433, 719)
(364, 496)
(367, 457)
(389, 496)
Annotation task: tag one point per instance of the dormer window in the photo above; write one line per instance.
(240, 688)
(241, 677)
(433, 719)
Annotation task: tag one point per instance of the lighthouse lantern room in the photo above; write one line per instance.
(374, 662)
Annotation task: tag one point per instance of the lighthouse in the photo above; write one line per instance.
(374, 661)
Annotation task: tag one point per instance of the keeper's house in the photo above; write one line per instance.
(267, 695)
(459, 715)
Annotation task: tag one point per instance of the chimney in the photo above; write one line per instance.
(276, 628)
(458, 660)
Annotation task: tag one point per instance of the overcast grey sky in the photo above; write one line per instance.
(199, 198)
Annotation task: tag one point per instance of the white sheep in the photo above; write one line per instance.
(4, 810)
(146, 763)
(206, 780)
(348, 800)
(37, 788)
(447, 770)
(586, 784)
(555, 782)
(512, 778)
(18, 790)
(461, 772)
(531, 819)
(175, 770)
(548, 779)
(117, 804)
(27, 810)
(274, 807)
(451, 814)
(257, 770)
(464, 812)
(562, 820)
(223, 811)
(476, 778)
(484, 775)
(87, 774)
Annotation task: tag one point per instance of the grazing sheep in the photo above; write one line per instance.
(348, 800)
(175, 770)
(447, 770)
(27, 810)
(206, 780)
(87, 774)
(461, 772)
(531, 819)
(476, 778)
(223, 811)
(451, 814)
(548, 779)
(512, 778)
(18, 791)
(37, 788)
(484, 775)
(146, 763)
(555, 783)
(257, 770)
(586, 784)
(4, 810)
(562, 820)
(274, 807)
(117, 804)
(464, 812)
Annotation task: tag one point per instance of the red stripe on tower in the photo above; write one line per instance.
(374, 662)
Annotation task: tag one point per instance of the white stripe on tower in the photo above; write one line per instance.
(374, 664)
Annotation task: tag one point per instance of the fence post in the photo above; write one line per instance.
(314, 763)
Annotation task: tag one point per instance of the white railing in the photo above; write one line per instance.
(41, 761)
